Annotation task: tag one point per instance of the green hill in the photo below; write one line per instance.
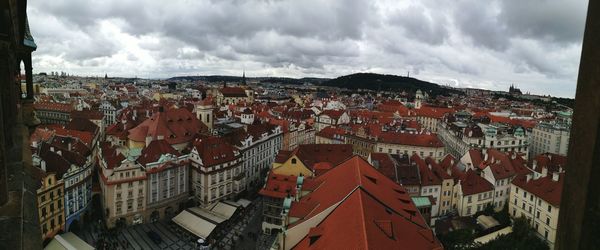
(381, 82)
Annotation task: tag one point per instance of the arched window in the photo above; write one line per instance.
(294, 161)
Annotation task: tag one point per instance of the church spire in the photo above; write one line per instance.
(244, 78)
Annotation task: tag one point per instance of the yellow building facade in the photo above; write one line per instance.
(50, 201)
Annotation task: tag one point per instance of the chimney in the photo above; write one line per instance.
(59, 152)
(485, 157)
(43, 165)
(429, 166)
(544, 171)
(555, 176)
(452, 162)
(534, 164)
(550, 157)
(513, 156)
(70, 146)
(52, 149)
(528, 177)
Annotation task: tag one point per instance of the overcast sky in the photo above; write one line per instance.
(535, 44)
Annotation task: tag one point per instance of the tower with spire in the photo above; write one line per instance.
(244, 78)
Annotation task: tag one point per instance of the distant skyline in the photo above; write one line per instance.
(535, 44)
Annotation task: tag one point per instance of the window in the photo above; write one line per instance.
(547, 220)
(293, 160)
(549, 209)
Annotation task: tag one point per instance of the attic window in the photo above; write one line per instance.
(372, 179)
(386, 227)
(405, 201)
(399, 191)
(388, 210)
(314, 234)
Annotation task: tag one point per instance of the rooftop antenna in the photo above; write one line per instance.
(407, 74)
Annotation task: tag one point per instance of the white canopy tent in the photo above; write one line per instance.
(195, 224)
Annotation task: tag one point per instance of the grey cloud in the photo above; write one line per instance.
(421, 24)
(478, 20)
(556, 21)
(460, 41)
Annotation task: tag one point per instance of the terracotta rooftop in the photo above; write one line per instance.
(545, 188)
(413, 139)
(364, 222)
(155, 150)
(174, 125)
(279, 186)
(357, 173)
(311, 154)
(233, 92)
(472, 183)
(214, 150)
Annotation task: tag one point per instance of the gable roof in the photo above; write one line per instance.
(155, 150)
(214, 150)
(472, 183)
(174, 125)
(420, 140)
(355, 172)
(362, 221)
(545, 188)
(311, 154)
(279, 186)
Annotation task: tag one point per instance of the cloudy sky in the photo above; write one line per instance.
(535, 44)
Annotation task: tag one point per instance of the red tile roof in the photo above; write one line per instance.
(472, 183)
(233, 92)
(333, 133)
(174, 125)
(414, 139)
(214, 150)
(111, 156)
(544, 187)
(279, 186)
(357, 173)
(384, 164)
(311, 154)
(82, 124)
(433, 112)
(553, 162)
(54, 106)
(363, 222)
(428, 178)
(155, 150)
(334, 114)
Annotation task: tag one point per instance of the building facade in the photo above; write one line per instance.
(549, 138)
